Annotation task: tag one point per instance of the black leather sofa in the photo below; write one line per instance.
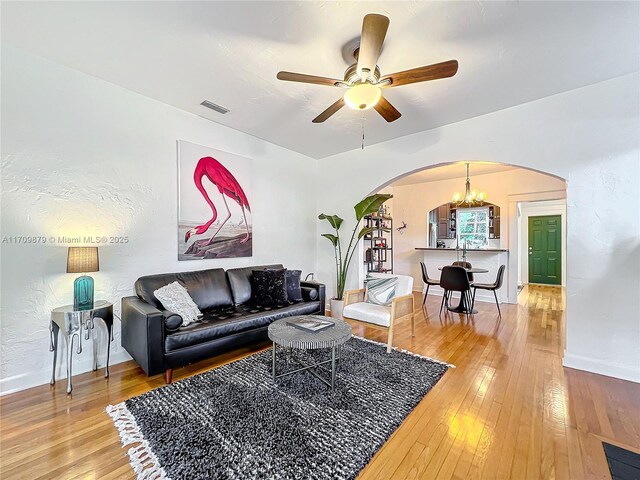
(158, 343)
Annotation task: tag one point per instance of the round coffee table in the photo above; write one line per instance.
(285, 335)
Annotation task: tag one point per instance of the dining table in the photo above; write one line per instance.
(462, 307)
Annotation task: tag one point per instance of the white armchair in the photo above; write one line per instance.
(379, 316)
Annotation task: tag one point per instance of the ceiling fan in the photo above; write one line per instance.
(363, 80)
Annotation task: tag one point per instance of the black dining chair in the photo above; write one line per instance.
(454, 279)
(464, 265)
(493, 287)
(427, 281)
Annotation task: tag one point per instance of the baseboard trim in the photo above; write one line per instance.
(27, 380)
(601, 367)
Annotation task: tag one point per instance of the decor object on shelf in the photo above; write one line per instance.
(300, 427)
(74, 323)
(83, 260)
(363, 80)
(158, 343)
(471, 198)
(357, 307)
(203, 171)
(365, 207)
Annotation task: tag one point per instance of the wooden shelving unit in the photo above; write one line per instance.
(378, 253)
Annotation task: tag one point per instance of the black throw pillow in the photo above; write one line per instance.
(294, 292)
(269, 287)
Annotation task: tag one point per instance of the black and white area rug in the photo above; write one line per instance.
(234, 423)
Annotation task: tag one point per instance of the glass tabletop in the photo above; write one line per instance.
(69, 308)
(469, 270)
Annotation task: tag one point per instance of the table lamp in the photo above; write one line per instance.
(83, 260)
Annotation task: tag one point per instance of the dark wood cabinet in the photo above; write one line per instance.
(494, 221)
(443, 229)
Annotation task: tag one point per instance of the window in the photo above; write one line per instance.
(473, 227)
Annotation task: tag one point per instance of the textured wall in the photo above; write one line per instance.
(591, 138)
(83, 157)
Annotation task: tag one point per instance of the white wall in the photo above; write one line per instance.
(412, 204)
(82, 156)
(588, 136)
(533, 209)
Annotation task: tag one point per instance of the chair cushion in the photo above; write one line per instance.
(239, 280)
(405, 283)
(269, 287)
(222, 322)
(380, 291)
(208, 288)
(368, 312)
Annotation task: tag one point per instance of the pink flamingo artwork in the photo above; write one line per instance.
(228, 186)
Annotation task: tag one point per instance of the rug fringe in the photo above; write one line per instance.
(143, 461)
(401, 350)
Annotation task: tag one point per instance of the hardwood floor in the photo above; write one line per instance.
(509, 409)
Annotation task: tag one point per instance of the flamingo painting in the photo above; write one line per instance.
(228, 187)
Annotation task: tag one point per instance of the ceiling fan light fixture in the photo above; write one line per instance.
(362, 96)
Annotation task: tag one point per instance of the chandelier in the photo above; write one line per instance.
(471, 198)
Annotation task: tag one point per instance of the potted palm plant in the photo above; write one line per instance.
(367, 206)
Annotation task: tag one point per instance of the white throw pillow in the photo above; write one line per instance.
(175, 298)
(380, 291)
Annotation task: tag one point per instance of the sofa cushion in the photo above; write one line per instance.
(208, 288)
(172, 321)
(222, 322)
(175, 298)
(294, 293)
(269, 287)
(240, 281)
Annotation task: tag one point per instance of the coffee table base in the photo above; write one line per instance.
(330, 383)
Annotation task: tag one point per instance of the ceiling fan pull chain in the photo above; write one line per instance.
(362, 130)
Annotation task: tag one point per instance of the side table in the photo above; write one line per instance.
(73, 324)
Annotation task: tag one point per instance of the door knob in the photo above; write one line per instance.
(530, 253)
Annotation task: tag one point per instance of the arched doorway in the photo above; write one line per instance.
(519, 193)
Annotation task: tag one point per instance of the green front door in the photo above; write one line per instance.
(545, 245)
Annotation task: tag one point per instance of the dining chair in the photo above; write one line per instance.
(427, 281)
(464, 265)
(455, 279)
(359, 308)
(493, 287)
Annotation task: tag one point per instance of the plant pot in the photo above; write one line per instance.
(336, 308)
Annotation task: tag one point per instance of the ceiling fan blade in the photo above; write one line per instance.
(304, 78)
(329, 111)
(374, 29)
(422, 74)
(388, 111)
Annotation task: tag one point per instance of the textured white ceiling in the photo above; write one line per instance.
(454, 170)
(181, 53)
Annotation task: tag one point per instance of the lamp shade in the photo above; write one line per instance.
(362, 96)
(82, 260)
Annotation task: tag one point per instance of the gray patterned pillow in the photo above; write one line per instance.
(175, 298)
(381, 291)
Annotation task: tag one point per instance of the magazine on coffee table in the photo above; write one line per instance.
(310, 324)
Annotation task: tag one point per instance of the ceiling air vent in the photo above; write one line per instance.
(215, 107)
